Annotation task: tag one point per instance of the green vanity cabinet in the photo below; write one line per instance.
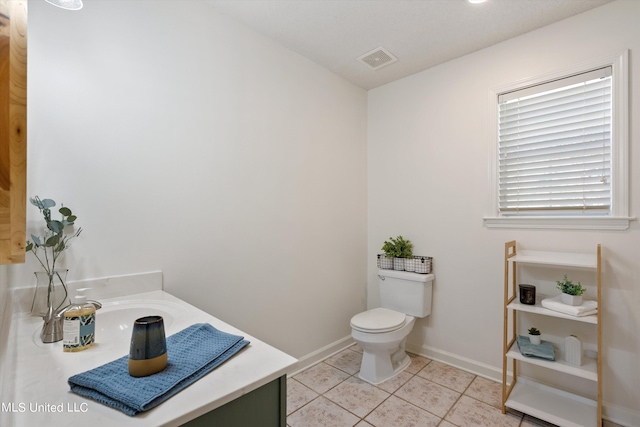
(263, 407)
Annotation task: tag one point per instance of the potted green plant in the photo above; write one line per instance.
(404, 250)
(534, 336)
(385, 261)
(571, 293)
(400, 249)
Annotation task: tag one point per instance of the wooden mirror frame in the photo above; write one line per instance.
(13, 130)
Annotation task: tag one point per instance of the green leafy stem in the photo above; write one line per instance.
(49, 247)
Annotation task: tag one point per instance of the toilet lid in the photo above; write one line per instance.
(378, 320)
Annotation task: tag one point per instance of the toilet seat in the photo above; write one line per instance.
(378, 320)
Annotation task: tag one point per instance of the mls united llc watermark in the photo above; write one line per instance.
(22, 407)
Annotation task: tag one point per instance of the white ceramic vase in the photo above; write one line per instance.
(535, 339)
(573, 350)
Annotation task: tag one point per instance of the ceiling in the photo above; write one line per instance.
(420, 33)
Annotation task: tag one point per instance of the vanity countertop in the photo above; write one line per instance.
(38, 393)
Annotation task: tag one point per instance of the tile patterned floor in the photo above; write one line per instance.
(427, 394)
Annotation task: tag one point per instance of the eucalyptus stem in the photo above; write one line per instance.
(53, 239)
(40, 261)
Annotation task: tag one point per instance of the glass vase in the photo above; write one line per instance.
(51, 291)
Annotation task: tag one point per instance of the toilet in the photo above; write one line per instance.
(382, 331)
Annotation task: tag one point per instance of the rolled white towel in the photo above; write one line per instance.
(585, 309)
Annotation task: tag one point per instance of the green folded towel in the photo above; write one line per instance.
(544, 350)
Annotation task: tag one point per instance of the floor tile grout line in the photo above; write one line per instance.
(522, 417)
(323, 395)
(349, 411)
(458, 399)
(413, 375)
(421, 408)
(464, 393)
(318, 395)
(393, 393)
(356, 415)
(390, 394)
(387, 398)
(336, 403)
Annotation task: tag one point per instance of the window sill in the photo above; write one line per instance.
(561, 223)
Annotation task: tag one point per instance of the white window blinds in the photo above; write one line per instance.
(554, 146)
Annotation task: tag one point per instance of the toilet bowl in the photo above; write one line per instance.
(383, 355)
(382, 332)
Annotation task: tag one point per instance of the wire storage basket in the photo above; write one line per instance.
(422, 264)
(417, 263)
(384, 262)
(410, 264)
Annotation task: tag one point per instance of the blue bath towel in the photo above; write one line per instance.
(192, 353)
(544, 350)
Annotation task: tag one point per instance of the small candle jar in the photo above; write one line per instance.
(528, 294)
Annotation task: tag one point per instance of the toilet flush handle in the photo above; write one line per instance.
(381, 277)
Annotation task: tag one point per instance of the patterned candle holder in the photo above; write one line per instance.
(528, 294)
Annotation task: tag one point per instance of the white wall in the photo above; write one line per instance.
(428, 181)
(189, 144)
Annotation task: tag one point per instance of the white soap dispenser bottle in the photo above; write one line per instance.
(78, 330)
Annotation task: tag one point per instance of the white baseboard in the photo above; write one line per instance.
(469, 365)
(318, 356)
(619, 415)
(451, 359)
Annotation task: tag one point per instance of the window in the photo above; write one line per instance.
(559, 154)
(554, 146)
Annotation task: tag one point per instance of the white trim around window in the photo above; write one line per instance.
(618, 218)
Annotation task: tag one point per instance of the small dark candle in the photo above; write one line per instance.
(528, 294)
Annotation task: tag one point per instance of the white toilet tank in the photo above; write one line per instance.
(406, 292)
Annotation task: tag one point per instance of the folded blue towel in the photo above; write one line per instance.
(544, 350)
(192, 353)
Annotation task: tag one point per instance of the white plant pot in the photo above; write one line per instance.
(535, 339)
(571, 299)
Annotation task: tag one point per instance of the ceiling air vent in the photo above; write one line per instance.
(378, 58)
